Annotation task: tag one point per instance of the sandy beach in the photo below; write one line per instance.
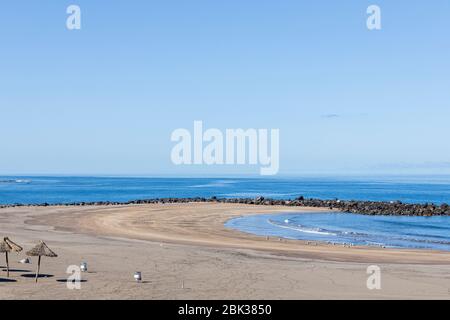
(185, 252)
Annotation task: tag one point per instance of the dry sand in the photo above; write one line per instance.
(185, 252)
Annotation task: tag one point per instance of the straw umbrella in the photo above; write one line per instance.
(38, 251)
(8, 246)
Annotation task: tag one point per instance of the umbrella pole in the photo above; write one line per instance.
(38, 267)
(7, 265)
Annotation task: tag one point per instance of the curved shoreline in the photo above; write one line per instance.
(202, 224)
(337, 233)
(392, 208)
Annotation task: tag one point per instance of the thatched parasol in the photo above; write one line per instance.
(8, 246)
(38, 251)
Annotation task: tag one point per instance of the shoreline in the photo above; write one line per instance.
(263, 226)
(174, 243)
(392, 208)
(199, 223)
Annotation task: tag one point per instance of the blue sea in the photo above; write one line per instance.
(407, 232)
(33, 189)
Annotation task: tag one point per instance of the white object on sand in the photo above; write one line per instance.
(25, 261)
(138, 276)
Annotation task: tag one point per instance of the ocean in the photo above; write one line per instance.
(339, 228)
(34, 190)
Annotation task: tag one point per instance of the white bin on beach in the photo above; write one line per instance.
(138, 276)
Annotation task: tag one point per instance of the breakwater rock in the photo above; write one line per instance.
(348, 206)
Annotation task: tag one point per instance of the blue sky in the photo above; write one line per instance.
(105, 99)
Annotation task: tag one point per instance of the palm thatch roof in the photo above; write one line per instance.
(8, 246)
(41, 250)
(14, 246)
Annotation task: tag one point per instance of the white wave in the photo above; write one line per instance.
(209, 185)
(15, 181)
(23, 181)
(304, 230)
(217, 183)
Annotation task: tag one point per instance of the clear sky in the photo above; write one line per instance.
(105, 99)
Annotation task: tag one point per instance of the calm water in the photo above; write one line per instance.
(389, 231)
(29, 190)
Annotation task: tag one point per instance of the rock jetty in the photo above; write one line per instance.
(348, 206)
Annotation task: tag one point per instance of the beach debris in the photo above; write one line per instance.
(41, 250)
(8, 246)
(83, 267)
(138, 276)
(25, 261)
